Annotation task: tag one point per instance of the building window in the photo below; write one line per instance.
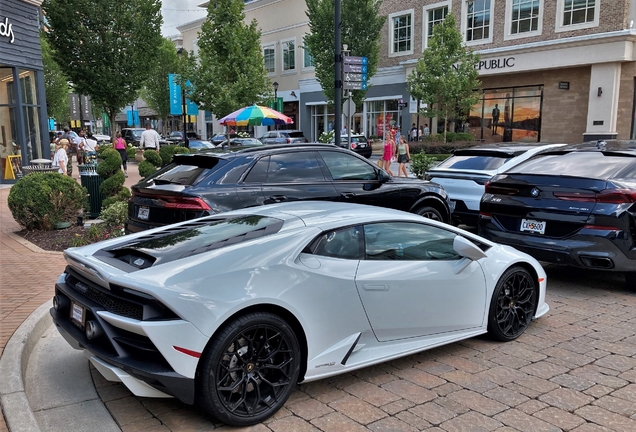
(523, 18)
(308, 60)
(577, 14)
(269, 56)
(478, 15)
(381, 115)
(289, 55)
(401, 33)
(433, 15)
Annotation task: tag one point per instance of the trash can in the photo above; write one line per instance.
(92, 181)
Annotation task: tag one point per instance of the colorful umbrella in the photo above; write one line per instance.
(255, 115)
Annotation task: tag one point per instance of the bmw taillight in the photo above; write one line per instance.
(353, 146)
(609, 196)
(288, 140)
(185, 203)
(500, 190)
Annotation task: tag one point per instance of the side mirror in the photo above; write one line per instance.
(383, 176)
(468, 249)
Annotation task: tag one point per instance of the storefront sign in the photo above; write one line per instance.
(500, 63)
(87, 111)
(6, 30)
(74, 104)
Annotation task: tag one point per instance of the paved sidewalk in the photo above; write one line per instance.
(27, 275)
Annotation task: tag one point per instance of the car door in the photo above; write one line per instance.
(269, 138)
(357, 181)
(295, 176)
(408, 285)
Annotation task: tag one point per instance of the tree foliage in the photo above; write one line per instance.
(156, 91)
(445, 76)
(55, 84)
(230, 72)
(361, 27)
(105, 47)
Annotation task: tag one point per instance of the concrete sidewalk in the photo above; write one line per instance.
(27, 273)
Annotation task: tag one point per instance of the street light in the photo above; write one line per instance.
(275, 85)
(183, 103)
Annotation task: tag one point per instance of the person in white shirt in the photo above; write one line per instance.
(61, 158)
(90, 149)
(149, 139)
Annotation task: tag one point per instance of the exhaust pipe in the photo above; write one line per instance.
(598, 262)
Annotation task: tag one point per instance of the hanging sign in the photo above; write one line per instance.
(191, 107)
(87, 111)
(74, 103)
(175, 95)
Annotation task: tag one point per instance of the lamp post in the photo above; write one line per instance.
(275, 85)
(183, 104)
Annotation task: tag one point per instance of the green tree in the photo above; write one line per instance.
(362, 24)
(445, 76)
(105, 47)
(156, 91)
(230, 72)
(55, 84)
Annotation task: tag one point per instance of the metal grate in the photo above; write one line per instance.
(107, 301)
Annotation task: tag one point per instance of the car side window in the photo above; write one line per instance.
(294, 167)
(344, 243)
(344, 166)
(258, 173)
(406, 241)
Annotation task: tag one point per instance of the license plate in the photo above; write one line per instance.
(78, 314)
(533, 226)
(144, 213)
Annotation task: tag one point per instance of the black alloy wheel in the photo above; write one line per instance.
(513, 304)
(250, 369)
(429, 213)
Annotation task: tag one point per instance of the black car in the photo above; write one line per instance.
(208, 182)
(176, 137)
(358, 144)
(575, 207)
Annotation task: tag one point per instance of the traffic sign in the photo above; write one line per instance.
(355, 68)
(349, 108)
(355, 60)
(355, 77)
(354, 85)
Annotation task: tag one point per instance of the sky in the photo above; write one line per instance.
(178, 12)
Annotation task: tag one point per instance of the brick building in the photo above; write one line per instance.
(556, 70)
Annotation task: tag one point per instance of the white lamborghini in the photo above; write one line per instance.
(231, 311)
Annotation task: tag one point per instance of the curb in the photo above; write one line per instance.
(13, 363)
(32, 247)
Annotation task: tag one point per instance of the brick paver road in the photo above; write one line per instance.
(574, 369)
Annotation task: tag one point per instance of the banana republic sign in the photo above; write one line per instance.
(6, 29)
(500, 63)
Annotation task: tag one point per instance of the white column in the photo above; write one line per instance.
(602, 111)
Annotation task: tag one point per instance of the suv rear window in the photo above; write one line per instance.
(593, 165)
(188, 172)
(476, 162)
(295, 134)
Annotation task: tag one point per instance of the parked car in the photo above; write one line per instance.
(231, 311)
(243, 142)
(219, 138)
(199, 145)
(207, 183)
(177, 136)
(573, 207)
(283, 137)
(359, 144)
(101, 138)
(132, 135)
(464, 174)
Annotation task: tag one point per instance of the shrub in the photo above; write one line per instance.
(146, 169)
(153, 157)
(110, 170)
(115, 214)
(40, 200)
(102, 148)
(166, 152)
(325, 137)
(131, 151)
(420, 163)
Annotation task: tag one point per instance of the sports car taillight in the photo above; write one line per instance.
(610, 196)
(185, 203)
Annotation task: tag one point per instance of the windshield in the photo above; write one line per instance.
(479, 163)
(137, 133)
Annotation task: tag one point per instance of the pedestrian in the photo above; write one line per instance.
(403, 156)
(413, 136)
(60, 159)
(427, 131)
(79, 143)
(120, 146)
(397, 134)
(90, 149)
(150, 139)
(387, 154)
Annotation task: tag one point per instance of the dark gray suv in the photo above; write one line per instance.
(284, 137)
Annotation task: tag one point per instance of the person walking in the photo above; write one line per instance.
(427, 131)
(403, 156)
(120, 146)
(413, 136)
(150, 139)
(60, 159)
(387, 154)
(90, 149)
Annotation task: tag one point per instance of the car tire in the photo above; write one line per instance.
(630, 281)
(429, 213)
(249, 369)
(512, 305)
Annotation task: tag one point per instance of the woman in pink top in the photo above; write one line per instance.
(387, 153)
(120, 146)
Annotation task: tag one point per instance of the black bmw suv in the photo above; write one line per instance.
(574, 206)
(202, 184)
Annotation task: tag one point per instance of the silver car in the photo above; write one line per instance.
(284, 137)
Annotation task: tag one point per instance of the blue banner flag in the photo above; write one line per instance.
(175, 95)
(136, 118)
(191, 107)
(51, 124)
(129, 117)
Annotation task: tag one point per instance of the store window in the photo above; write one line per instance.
(308, 60)
(322, 120)
(577, 14)
(9, 148)
(507, 115)
(523, 18)
(381, 116)
(401, 33)
(477, 17)
(433, 15)
(289, 55)
(269, 55)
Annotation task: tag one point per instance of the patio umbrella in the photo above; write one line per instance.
(255, 115)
